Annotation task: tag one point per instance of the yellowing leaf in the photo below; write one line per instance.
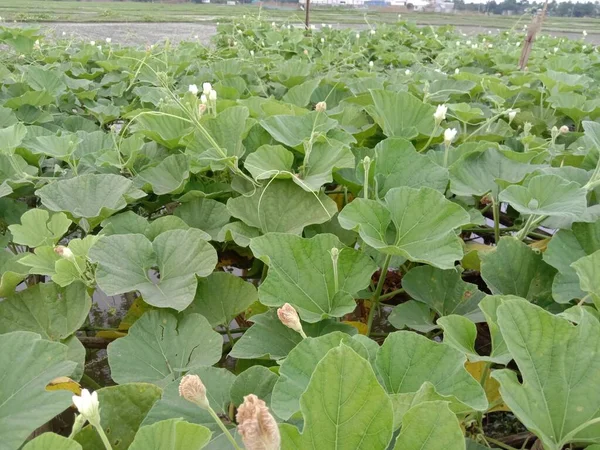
(361, 327)
(491, 385)
(110, 334)
(540, 245)
(471, 259)
(136, 310)
(64, 384)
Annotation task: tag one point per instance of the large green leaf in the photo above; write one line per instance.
(172, 434)
(47, 309)
(301, 273)
(547, 195)
(479, 172)
(169, 176)
(11, 272)
(430, 426)
(566, 247)
(282, 205)
(295, 371)
(293, 130)
(122, 410)
(160, 348)
(90, 196)
(204, 213)
(51, 441)
(559, 366)
(167, 130)
(222, 296)
(399, 164)
(516, 269)
(400, 114)
(27, 364)
(257, 380)
(218, 383)
(588, 271)
(406, 360)
(344, 406)
(125, 260)
(423, 225)
(444, 291)
(38, 228)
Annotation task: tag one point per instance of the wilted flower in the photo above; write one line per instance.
(440, 113)
(321, 107)
(193, 89)
(449, 135)
(64, 252)
(88, 406)
(108, 40)
(257, 426)
(192, 389)
(289, 317)
(564, 129)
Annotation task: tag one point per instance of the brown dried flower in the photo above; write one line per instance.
(289, 317)
(257, 426)
(321, 107)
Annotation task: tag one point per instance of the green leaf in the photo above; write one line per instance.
(238, 232)
(11, 272)
(588, 271)
(222, 296)
(269, 161)
(293, 130)
(566, 247)
(301, 273)
(27, 364)
(90, 196)
(406, 360)
(122, 410)
(47, 309)
(547, 195)
(60, 147)
(39, 228)
(400, 114)
(344, 405)
(324, 158)
(218, 383)
(414, 315)
(169, 176)
(167, 130)
(257, 380)
(398, 164)
(300, 94)
(173, 434)
(430, 426)
(295, 371)
(444, 291)
(423, 225)
(282, 206)
(51, 441)
(159, 348)
(559, 365)
(478, 173)
(124, 262)
(516, 269)
(11, 137)
(204, 213)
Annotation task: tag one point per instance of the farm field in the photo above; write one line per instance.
(385, 236)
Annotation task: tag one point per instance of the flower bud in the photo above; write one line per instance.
(511, 115)
(203, 99)
(440, 114)
(321, 107)
(213, 95)
(64, 252)
(289, 317)
(192, 389)
(449, 135)
(206, 88)
(88, 406)
(371, 64)
(564, 129)
(257, 426)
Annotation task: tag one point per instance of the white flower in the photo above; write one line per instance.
(273, 24)
(511, 115)
(490, 45)
(323, 25)
(37, 43)
(99, 47)
(289, 317)
(357, 35)
(196, 36)
(321, 107)
(64, 252)
(440, 113)
(108, 40)
(435, 35)
(564, 129)
(88, 406)
(483, 39)
(203, 99)
(330, 26)
(322, 40)
(206, 88)
(518, 44)
(489, 31)
(239, 31)
(244, 16)
(468, 42)
(372, 31)
(313, 27)
(457, 43)
(92, 42)
(213, 95)
(457, 71)
(399, 16)
(584, 47)
(193, 390)
(289, 27)
(438, 70)
(584, 33)
(407, 72)
(371, 63)
(64, 33)
(555, 49)
(449, 135)
(251, 52)
(193, 89)
(474, 46)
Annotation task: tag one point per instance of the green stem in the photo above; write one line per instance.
(391, 294)
(428, 143)
(446, 154)
(377, 294)
(496, 216)
(484, 375)
(229, 335)
(525, 230)
(103, 436)
(90, 382)
(223, 428)
(571, 436)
